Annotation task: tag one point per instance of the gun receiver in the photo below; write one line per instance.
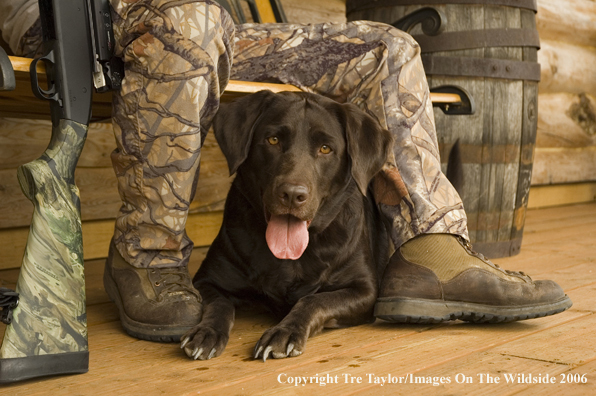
(78, 46)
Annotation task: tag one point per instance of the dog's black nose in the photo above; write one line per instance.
(292, 195)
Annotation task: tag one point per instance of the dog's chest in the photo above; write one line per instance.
(287, 281)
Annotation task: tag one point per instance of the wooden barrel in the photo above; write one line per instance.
(488, 47)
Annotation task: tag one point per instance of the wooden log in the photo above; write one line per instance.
(22, 141)
(200, 227)
(315, 11)
(564, 165)
(567, 68)
(573, 22)
(550, 195)
(566, 120)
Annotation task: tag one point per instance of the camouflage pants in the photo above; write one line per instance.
(179, 56)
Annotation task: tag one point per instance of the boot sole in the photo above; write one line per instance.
(422, 311)
(143, 331)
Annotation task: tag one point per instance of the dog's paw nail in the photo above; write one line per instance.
(184, 342)
(266, 353)
(295, 353)
(290, 348)
(211, 354)
(197, 353)
(258, 352)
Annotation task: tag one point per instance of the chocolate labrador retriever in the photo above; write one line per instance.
(299, 232)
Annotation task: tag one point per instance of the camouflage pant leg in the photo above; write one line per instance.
(30, 43)
(378, 68)
(177, 58)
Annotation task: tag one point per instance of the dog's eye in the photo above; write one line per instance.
(325, 149)
(273, 140)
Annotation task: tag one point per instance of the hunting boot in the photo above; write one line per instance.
(155, 304)
(438, 277)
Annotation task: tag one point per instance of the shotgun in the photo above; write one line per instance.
(48, 330)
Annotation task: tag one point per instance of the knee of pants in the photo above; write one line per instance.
(201, 21)
(397, 41)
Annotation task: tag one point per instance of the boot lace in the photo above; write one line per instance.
(471, 251)
(172, 281)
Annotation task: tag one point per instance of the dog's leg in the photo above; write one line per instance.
(344, 307)
(209, 338)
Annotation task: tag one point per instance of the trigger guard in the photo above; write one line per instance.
(50, 93)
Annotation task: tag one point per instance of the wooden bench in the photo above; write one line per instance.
(25, 132)
(21, 103)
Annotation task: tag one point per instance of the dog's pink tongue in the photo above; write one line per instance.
(287, 236)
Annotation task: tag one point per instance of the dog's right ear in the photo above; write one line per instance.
(234, 126)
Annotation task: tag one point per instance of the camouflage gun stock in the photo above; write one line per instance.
(48, 333)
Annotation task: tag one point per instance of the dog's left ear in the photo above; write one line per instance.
(234, 126)
(368, 144)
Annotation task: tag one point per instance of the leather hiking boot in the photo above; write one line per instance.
(438, 277)
(155, 304)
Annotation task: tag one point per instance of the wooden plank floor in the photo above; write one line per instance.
(559, 244)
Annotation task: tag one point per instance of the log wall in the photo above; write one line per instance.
(566, 136)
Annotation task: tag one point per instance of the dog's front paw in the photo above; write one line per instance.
(203, 343)
(280, 342)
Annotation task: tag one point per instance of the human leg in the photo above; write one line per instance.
(177, 58)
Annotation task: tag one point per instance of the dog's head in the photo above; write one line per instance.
(298, 155)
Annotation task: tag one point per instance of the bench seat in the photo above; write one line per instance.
(21, 103)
